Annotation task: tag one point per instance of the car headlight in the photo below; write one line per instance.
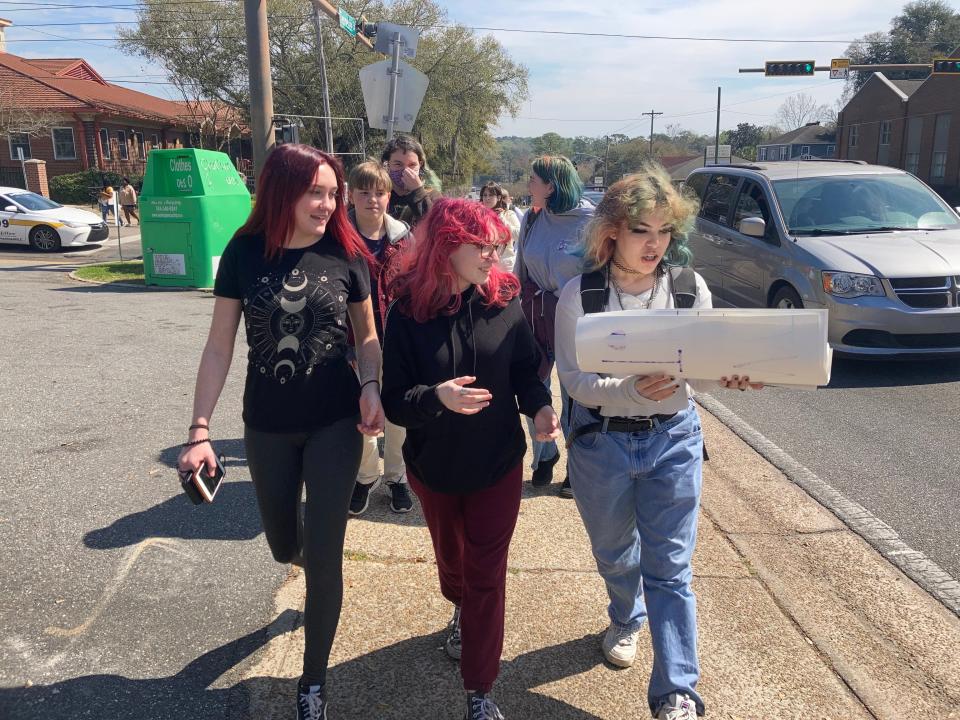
(76, 224)
(851, 285)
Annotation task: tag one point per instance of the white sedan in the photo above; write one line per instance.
(30, 219)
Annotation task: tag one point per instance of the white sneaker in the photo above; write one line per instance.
(678, 707)
(620, 646)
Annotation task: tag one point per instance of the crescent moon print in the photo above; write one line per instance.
(294, 323)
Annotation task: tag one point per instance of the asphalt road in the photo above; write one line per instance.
(119, 599)
(885, 434)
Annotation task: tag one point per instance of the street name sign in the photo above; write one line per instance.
(347, 21)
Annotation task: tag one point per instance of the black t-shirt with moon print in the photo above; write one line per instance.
(295, 312)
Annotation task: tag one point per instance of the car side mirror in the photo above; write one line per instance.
(753, 226)
(11, 208)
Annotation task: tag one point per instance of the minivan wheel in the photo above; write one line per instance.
(44, 238)
(786, 298)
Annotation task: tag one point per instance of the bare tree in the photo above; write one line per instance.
(15, 118)
(800, 109)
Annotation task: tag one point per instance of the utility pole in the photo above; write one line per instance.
(261, 89)
(327, 121)
(652, 115)
(606, 157)
(716, 145)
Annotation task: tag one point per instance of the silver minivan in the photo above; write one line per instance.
(872, 244)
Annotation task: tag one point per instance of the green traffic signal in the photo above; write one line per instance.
(787, 68)
(946, 66)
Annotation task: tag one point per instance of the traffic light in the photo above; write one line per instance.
(946, 66)
(788, 67)
(366, 28)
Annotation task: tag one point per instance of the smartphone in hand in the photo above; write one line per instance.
(200, 485)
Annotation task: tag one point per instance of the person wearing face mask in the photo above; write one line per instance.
(415, 187)
(388, 240)
(495, 197)
(459, 360)
(294, 273)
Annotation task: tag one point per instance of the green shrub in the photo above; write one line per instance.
(78, 188)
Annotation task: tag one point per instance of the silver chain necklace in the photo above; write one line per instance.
(653, 290)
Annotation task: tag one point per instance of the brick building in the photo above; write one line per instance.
(906, 124)
(94, 123)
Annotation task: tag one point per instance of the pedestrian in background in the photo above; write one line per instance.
(295, 271)
(106, 200)
(415, 186)
(128, 201)
(549, 253)
(388, 241)
(495, 197)
(635, 445)
(459, 359)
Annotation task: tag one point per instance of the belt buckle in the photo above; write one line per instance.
(649, 423)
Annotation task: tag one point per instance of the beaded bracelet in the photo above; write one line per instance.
(363, 385)
(195, 442)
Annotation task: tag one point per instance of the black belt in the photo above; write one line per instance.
(619, 424)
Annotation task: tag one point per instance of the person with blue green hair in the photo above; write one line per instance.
(549, 253)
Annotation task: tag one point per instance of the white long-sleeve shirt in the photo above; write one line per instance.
(616, 396)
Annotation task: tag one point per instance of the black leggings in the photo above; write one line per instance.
(326, 460)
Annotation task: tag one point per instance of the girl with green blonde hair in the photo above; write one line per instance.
(634, 443)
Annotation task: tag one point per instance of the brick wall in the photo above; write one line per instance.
(938, 95)
(877, 101)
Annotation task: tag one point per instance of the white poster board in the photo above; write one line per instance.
(777, 347)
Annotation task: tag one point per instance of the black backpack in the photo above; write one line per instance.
(595, 289)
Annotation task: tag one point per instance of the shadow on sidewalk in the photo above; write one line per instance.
(184, 696)
(415, 679)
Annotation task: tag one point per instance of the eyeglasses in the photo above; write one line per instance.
(487, 251)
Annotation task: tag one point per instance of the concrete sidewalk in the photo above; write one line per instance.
(799, 617)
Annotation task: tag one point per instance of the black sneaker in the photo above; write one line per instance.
(452, 645)
(311, 702)
(543, 475)
(565, 490)
(400, 500)
(480, 706)
(361, 497)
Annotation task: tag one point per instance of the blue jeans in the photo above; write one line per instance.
(638, 494)
(547, 451)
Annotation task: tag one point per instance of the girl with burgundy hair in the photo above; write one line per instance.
(460, 365)
(295, 271)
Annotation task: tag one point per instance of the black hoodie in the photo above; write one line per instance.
(450, 452)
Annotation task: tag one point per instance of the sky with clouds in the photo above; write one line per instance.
(579, 85)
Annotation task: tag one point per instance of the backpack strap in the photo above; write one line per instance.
(683, 282)
(594, 291)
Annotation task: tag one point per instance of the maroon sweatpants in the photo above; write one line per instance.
(471, 535)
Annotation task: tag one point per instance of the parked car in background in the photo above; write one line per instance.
(872, 244)
(30, 219)
(594, 196)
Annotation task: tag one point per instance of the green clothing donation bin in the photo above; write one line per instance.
(191, 204)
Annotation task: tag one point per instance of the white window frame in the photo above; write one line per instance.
(104, 135)
(854, 136)
(884, 132)
(938, 165)
(139, 147)
(122, 147)
(155, 141)
(762, 154)
(73, 138)
(804, 150)
(831, 150)
(28, 155)
(784, 152)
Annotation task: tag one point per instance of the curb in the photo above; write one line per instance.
(73, 276)
(884, 539)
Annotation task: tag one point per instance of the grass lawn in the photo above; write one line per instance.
(128, 272)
